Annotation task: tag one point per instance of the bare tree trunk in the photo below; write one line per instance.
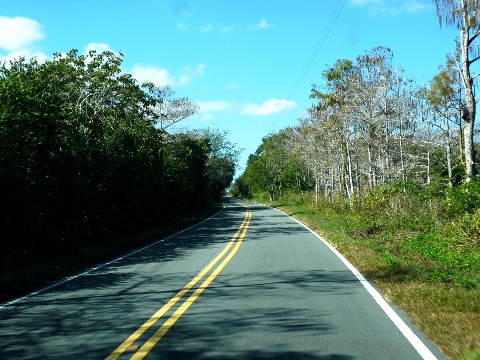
(371, 171)
(460, 139)
(448, 148)
(350, 175)
(386, 164)
(402, 160)
(460, 127)
(469, 111)
(357, 177)
(469, 149)
(349, 160)
(428, 155)
(428, 167)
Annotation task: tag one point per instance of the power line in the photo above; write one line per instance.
(321, 41)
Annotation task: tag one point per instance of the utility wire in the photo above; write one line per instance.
(321, 41)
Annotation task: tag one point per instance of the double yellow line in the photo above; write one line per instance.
(231, 248)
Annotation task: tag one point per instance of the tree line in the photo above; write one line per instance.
(371, 125)
(87, 153)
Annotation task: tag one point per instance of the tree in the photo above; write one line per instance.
(464, 16)
(367, 128)
(340, 120)
(31, 141)
(222, 159)
(166, 111)
(186, 182)
(442, 97)
(70, 128)
(80, 154)
(275, 167)
(272, 157)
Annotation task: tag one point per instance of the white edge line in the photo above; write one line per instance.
(14, 301)
(418, 344)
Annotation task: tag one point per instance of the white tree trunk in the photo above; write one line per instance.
(469, 112)
(448, 148)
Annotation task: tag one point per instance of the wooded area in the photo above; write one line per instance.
(371, 126)
(85, 154)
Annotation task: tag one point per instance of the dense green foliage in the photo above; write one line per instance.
(84, 154)
(272, 171)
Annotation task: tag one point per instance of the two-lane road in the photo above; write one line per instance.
(250, 283)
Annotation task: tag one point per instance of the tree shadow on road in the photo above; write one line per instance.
(89, 316)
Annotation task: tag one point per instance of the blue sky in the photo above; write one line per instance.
(249, 64)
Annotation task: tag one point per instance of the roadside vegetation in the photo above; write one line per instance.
(89, 159)
(386, 171)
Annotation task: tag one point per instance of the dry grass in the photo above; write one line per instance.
(446, 316)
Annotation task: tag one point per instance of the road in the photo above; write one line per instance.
(249, 283)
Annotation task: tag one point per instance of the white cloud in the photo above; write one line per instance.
(183, 80)
(182, 26)
(27, 54)
(416, 6)
(149, 73)
(161, 77)
(263, 24)
(269, 107)
(199, 70)
(273, 106)
(189, 73)
(18, 33)
(18, 37)
(224, 29)
(208, 108)
(208, 117)
(98, 47)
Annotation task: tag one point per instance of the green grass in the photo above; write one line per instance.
(425, 263)
(23, 272)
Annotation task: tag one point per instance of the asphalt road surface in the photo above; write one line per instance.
(249, 283)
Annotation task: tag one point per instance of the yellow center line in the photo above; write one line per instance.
(155, 317)
(143, 351)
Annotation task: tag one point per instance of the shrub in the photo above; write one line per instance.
(469, 226)
(462, 199)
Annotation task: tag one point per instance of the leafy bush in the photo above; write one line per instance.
(462, 199)
(294, 196)
(403, 205)
(469, 226)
